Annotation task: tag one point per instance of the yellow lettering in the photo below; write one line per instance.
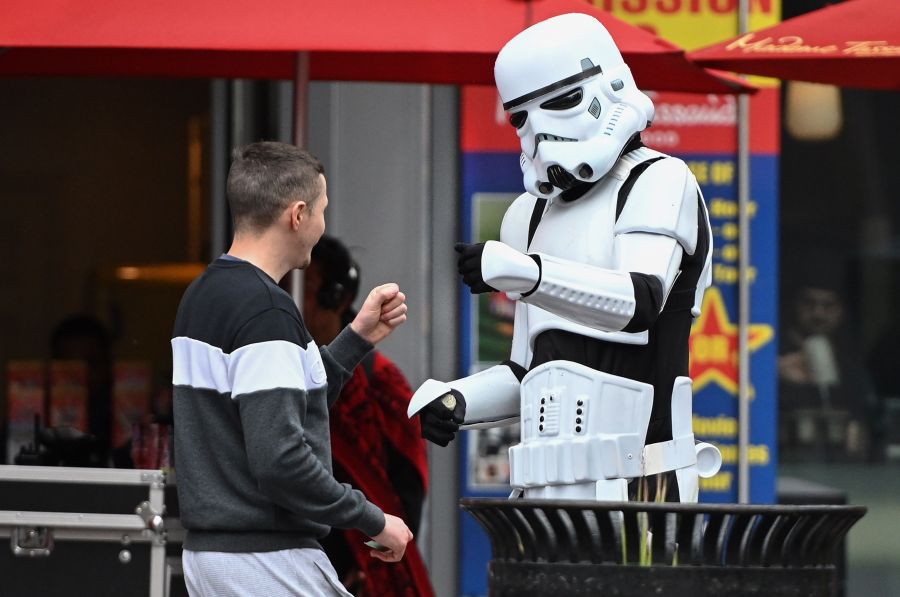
(721, 426)
(726, 208)
(728, 274)
(723, 208)
(710, 349)
(870, 48)
(730, 231)
(719, 351)
(700, 348)
(722, 173)
(724, 274)
(788, 44)
(729, 253)
(757, 454)
(700, 170)
(720, 482)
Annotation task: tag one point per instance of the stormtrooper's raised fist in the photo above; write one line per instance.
(469, 266)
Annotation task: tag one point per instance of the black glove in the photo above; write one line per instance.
(440, 423)
(469, 266)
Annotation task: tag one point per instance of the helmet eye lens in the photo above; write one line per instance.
(565, 101)
(517, 119)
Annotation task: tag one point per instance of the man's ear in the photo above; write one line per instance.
(298, 211)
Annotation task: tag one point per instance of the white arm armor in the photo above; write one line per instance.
(593, 296)
(492, 397)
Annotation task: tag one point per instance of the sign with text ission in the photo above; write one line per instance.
(702, 130)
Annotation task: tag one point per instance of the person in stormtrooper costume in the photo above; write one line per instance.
(607, 255)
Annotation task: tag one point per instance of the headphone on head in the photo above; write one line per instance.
(340, 273)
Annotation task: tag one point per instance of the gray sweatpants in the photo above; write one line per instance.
(286, 573)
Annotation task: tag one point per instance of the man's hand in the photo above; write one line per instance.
(394, 538)
(793, 367)
(442, 417)
(469, 266)
(382, 311)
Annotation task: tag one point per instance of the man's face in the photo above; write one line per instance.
(819, 311)
(313, 225)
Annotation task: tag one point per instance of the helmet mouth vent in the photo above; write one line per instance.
(560, 177)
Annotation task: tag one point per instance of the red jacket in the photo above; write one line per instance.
(378, 450)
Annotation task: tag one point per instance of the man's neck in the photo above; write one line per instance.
(262, 252)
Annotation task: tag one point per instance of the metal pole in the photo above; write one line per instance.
(744, 281)
(218, 168)
(301, 132)
(443, 340)
(158, 587)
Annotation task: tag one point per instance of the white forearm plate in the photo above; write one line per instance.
(507, 269)
(491, 396)
(593, 296)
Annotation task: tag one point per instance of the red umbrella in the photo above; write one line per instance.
(433, 41)
(852, 44)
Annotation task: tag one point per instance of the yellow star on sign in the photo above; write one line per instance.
(714, 344)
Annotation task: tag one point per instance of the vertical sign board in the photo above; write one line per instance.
(702, 130)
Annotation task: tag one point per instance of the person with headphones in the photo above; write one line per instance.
(375, 447)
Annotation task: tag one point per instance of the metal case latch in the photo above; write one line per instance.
(34, 542)
(151, 516)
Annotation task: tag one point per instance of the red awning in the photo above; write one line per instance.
(435, 41)
(852, 44)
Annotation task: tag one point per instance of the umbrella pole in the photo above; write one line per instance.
(301, 113)
(743, 279)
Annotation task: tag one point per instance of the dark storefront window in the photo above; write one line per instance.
(105, 221)
(839, 346)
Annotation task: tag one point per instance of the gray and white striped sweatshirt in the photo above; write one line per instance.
(251, 398)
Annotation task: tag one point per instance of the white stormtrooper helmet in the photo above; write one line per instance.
(572, 99)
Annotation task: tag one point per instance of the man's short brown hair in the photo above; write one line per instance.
(265, 178)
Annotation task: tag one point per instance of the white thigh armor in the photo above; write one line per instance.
(579, 427)
(584, 432)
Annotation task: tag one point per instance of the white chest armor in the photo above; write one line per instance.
(582, 231)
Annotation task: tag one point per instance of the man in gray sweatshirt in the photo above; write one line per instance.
(252, 392)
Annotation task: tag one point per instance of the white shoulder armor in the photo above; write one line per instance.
(514, 230)
(663, 201)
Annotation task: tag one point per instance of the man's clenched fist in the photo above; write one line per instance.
(383, 310)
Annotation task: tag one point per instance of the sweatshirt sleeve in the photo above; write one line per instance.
(340, 359)
(276, 378)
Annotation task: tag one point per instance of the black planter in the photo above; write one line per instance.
(579, 548)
